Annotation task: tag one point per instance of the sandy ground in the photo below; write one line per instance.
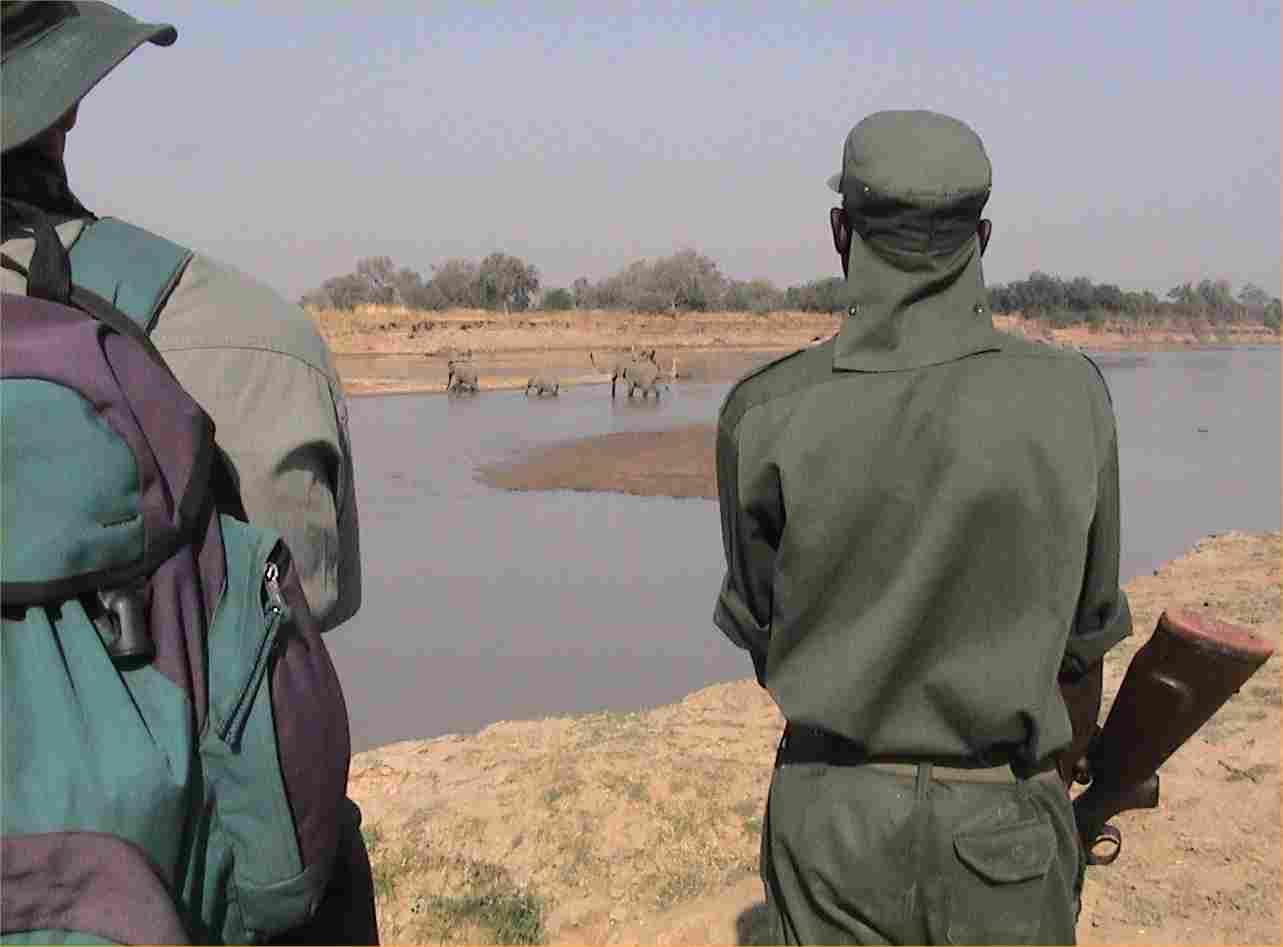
(677, 462)
(644, 827)
(706, 346)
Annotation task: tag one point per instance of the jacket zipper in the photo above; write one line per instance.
(277, 611)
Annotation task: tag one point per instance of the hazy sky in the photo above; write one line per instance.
(1132, 143)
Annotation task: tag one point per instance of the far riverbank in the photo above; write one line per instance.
(384, 350)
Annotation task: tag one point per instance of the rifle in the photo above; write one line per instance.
(1190, 666)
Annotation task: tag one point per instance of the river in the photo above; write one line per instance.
(481, 605)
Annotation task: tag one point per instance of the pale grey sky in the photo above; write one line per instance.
(1132, 143)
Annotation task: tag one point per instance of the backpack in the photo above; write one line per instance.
(175, 738)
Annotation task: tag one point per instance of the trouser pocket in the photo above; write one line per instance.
(995, 884)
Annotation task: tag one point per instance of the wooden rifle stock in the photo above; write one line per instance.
(1191, 665)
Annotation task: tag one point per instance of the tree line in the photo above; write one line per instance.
(685, 281)
(1077, 300)
(689, 281)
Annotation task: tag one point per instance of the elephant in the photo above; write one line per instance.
(543, 385)
(618, 367)
(644, 376)
(463, 374)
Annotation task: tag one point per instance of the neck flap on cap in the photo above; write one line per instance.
(925, 310)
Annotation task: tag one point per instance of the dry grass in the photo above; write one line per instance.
(601, 820)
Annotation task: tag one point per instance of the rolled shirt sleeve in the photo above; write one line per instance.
(1103, 617)
(743, 610)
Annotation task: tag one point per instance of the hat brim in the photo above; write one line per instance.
(40, 82)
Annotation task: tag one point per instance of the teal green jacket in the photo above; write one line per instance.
(921, 522)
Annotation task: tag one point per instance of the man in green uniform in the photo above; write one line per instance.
(920, 519)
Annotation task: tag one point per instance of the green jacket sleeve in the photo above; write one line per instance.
(1103, 617)
(258, 365)
(749, 538)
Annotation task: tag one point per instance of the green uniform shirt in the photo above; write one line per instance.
(258, 366)
(920, 519)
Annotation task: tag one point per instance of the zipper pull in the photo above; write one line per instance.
(277, 611)
(276, 603)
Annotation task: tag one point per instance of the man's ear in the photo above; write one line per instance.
(841, 230)
(983, 230)
(841, 227)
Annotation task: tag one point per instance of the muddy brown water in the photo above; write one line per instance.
(482, 605)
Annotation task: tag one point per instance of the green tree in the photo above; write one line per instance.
(1253, 296)
(379, 276)
(1273, 312)
(345, 292)
(757, 296)
(1183, 294)
(821, 295)
(455, 283)
(558, 300)
(506, 281)
(413, 292)
(1079, 294)
(688, 280)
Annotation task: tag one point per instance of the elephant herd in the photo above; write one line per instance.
(639, 372)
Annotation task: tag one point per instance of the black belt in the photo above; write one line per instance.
(801, 744)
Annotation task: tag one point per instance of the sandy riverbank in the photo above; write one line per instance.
(643, 827)
(706, 346)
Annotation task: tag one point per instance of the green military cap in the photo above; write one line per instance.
(923, 159)
(54, 53)
(913, 182)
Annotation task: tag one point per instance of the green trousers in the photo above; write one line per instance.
(869, 854)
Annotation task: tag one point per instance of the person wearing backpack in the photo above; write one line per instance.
(253, 360)
(223, 789)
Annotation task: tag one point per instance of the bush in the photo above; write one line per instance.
(1095, 319)
(1058, 318)
(652, 301)
(558, 300)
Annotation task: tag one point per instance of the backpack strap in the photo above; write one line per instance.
(49, 276)
(133, 269)
(151, 266)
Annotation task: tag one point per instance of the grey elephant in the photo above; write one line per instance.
(463, 374)
(618, 366)
(543, 385)
(646, 377)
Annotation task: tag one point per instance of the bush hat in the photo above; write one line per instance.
(54, 53)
